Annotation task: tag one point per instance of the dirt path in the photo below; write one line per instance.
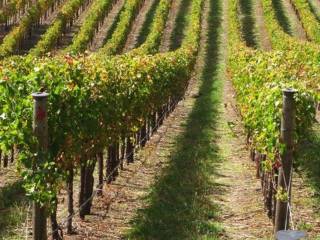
(305, 207)
(167, 35)
(137, 26)
(263, 35)
(104, 31)
(296, 26)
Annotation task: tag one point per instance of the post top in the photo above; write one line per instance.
(290, 235)
(38, 95)
(289, 91)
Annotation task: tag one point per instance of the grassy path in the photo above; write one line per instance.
(296, 27)
(178, 31)
(13, 208)
(242, 215)
(179, 204)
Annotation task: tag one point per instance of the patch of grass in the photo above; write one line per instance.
(303, 226)
(13, 205)
(282, 18)
(180, 24)
(248, 23)
(179, 205)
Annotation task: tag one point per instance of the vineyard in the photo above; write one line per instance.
(159, 119)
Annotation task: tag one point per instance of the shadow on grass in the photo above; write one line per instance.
(283, 20)
(178, 206)
(180, 24)
(248, 23)
(308, 159)
(314, 9)
(113, 26)
(12, 209)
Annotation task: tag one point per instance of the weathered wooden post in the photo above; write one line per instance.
(284, 176)
(40, 130)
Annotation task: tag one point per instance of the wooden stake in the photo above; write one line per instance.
(284, 177)
(40, 130)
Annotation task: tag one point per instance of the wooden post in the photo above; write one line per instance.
(284, 176)
(40, 130)
(129, 151)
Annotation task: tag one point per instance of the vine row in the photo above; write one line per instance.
(14, 39)
(66, 17)
(94, 18)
